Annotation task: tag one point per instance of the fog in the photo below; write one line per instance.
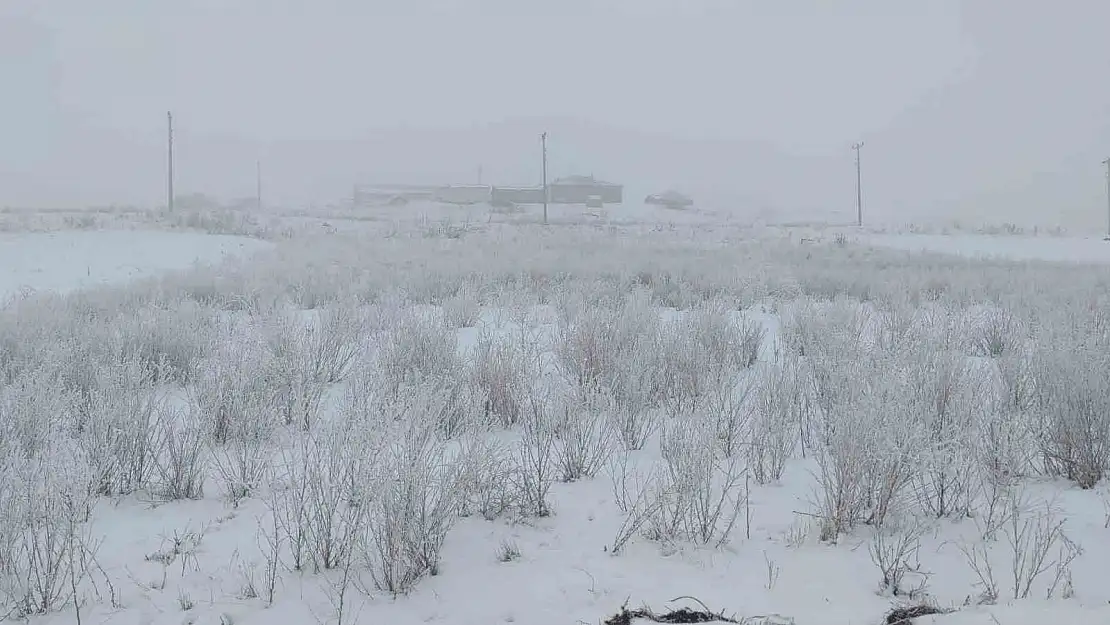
(976, 110)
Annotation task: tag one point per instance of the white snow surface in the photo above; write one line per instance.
(1025, 248)
(564, 574)
(64, 261)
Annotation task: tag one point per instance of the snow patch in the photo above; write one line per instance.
(72, 260)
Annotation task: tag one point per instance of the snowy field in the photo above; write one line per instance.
(466, 419)
(1091, 250)
(69, 260)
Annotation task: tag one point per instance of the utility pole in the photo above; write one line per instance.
(859, 185)
(169, 161)
(258, 184)
(543, 143)
(1107, 163)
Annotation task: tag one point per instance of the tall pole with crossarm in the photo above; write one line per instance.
(1107, 163)
(859, 185)
(543, 145)
(169, 161)
(258, 185)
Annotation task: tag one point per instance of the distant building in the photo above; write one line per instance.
(389, 195)
(506, 196)
(584, 190)
(464, 194)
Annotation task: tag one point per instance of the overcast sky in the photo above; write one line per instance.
(973, 107)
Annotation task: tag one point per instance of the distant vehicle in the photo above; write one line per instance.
(669, 199)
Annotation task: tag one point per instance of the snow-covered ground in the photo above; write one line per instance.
(151, 558)
(67, 260)
(1055, 249)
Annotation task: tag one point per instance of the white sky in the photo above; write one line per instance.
(989, 107)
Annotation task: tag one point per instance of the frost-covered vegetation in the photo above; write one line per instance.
(363, 395)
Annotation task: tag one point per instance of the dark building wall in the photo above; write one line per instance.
(578, 193)
(516, 195)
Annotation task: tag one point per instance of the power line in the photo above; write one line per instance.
(859, 185)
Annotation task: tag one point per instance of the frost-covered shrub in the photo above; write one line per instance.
(464, 308)
(993, 332)
(236, 387)
(118, 433)
(699, 494)
(945, 393)
(169, 341)
(585, 437)
(336, 341)
(500, 373)
(180, 460)
(535, 454)
(1074, 400)
(31, 413)
(418, 346)
(776, 422)
(297, 369)
(822, 330)
(701, 353)
(44, 502)
(867, 448)
(486, 474)
(895, 443)
(894, 324)
(608, 347)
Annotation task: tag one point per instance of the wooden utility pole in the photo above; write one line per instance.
(543, 144)
(859, 185)
(258, 184)
(1107, 163)
(169, 160)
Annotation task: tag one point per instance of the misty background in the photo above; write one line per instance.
(976, 110)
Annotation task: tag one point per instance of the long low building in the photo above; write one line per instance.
(568, 190)
(585, 190)
(464, 194)
(516, 195)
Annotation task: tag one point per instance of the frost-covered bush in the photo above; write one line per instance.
(180, 462)
(336, 341)
(585, 437)
(44, 503)
(777, 419)
(702, 353)
(608, 348)
(118, 433)
(946, 394)
(32, 412)
(235, 390)
(536, 461)
(319, 486)
(169, 341)
(699, 494)
(418, 500)
(868, 445)
(464, 308)
(500, 373)
(486, 474)
(297, 369)
(1073, 432)
(994, 332)
(418, 346)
